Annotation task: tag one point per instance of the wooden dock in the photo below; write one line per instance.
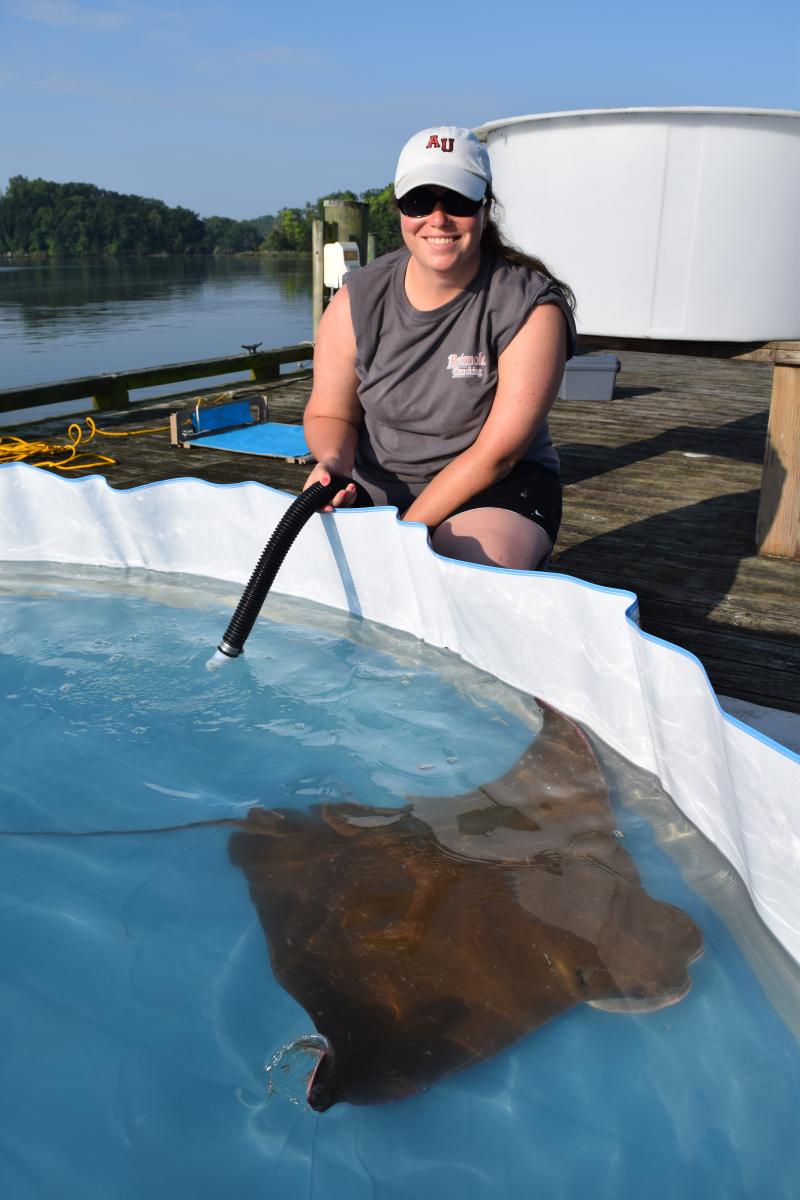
(661, 497)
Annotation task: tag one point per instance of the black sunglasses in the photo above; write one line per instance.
(421, 201)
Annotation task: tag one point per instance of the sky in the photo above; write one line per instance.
(238, 108)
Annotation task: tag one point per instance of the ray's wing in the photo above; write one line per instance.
(553, 798)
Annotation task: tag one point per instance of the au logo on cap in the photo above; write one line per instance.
(444, 144)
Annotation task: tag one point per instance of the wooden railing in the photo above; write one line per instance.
(111, 391)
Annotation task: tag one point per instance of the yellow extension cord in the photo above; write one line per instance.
(16, 449)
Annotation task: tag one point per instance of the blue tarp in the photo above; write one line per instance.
(270, 438)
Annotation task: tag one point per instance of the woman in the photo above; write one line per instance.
(436, 366)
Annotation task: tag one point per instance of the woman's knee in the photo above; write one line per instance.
(493, 537)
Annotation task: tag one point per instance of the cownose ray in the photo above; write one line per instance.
(423, 939)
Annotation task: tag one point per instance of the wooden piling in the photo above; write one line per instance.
(348, 220)
(778, 524)
(317, 286)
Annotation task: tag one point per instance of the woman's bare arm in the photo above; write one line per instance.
(529, 372)
(333, 414)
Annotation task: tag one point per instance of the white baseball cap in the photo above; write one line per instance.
(446, 156)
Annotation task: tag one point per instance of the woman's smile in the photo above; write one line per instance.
(445, 244)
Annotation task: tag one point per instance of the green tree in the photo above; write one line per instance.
(41, 217)
(384, 221)
(38, 216)
(291, 230)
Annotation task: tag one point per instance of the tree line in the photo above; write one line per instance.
(40, 217)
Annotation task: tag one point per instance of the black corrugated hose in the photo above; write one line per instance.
(267, 567)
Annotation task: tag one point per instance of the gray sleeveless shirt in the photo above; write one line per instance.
(427, 379)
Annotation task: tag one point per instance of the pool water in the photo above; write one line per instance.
(136, 994)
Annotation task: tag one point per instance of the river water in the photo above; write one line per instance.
(66, 318)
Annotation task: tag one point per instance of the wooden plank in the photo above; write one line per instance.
(778, 524)
(712, 580)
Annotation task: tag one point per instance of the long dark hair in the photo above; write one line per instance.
(493, 240)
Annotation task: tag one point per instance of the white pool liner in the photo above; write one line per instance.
(573, 643)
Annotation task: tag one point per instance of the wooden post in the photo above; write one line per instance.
(266, 368)
(111, 395)
(351, 218)
(345, 221)
(370, 247)
(778, 524)
(317, 287)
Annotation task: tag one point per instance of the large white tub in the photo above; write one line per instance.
(677, 223)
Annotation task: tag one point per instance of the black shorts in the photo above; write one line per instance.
(528, 489)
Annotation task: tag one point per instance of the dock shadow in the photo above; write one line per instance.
(621, 392)
(742, 441)
(683, 565)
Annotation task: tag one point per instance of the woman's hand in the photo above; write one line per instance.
(323, 473)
